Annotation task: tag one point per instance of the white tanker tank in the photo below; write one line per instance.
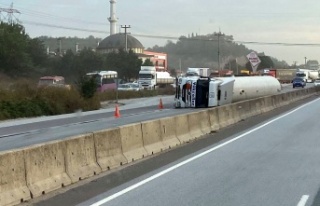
(251, 87)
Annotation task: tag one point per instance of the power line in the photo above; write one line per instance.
(29, 12)
(64, 27)
(55, 17)
(177, 38)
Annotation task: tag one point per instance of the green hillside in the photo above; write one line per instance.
(69, 43)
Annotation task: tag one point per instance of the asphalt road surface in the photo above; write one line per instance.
(26, 132)
(269, 159)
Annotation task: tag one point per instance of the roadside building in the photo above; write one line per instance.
(158, 59)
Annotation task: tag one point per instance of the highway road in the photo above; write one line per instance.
(16, 134)
(25, 132)
(270, 159)
(274, 163)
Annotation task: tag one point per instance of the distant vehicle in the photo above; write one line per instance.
(130, 87)
(298, 82)
(222, 73)
(106, 80)
(149, 78)
(283, 75)
(317, 82)
(308, 75)
(52, 81)
(201, 72)
(124, 87)
(135, 86)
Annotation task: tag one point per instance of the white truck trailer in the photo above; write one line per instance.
(149, 78)
(308, 75)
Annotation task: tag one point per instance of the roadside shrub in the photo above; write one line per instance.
(91, 104)
(87, 87)
(27, 101)
(19, 108)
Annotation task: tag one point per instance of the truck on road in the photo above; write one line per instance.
(308, 75)
(283, 75)
(149, 78)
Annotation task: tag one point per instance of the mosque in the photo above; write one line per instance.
(117, 41)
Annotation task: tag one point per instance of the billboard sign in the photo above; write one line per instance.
(254, 60)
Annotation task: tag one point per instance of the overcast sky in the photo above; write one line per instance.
(272, 21)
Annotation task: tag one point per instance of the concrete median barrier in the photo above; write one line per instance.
(132, 142)
(168, 130)
(225, 116)
(263, 105)
(13, 184)
(283, 99)
(276, 99)
(182, 128)
(152, 136)
(199, 123)
(214, 119)
(109, 149)
(236, 113)
(268, 104)
(45, 168)
(256, 107)
(81, 161)
(243, 109)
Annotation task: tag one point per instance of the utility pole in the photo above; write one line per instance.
(125, 27)
(219, 34)
(219, 52)
(180, 67)
(305, 62)
(60, 46)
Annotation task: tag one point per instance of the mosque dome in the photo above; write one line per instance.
(118, 41)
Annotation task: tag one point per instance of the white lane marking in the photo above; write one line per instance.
(303, 200)
(149, 179)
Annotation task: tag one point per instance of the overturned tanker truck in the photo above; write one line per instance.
(201, 92)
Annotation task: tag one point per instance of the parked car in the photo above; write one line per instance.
(135, 86)
(298, 82)
(317, 82)
(124, 87)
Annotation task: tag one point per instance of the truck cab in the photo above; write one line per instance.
(147, 77)
(202, 92)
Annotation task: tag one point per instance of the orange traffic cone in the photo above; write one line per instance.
(160, 104)
(117, 112)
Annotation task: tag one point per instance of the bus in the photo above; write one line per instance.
(106, 80)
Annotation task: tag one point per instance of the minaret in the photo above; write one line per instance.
(113, 19)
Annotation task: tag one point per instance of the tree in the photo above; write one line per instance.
(37, 51)
(127, 64)
(147, 62)
(13, 46)
(19, 54)
(88, 61)
(65, 66)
